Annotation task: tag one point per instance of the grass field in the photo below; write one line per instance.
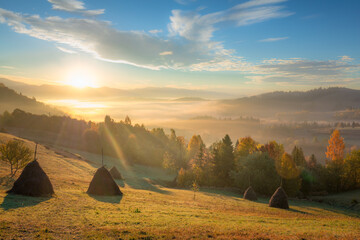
(147, 210)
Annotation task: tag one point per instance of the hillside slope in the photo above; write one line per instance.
(148, 210)
(316, 100)
(10, 100)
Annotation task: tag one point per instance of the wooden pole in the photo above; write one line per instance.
(35, 152)
(102, 157)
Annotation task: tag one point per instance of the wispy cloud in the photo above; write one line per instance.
(273, 39)
(75, 6)
(184, 2)
(166, 53)
(346, 58)
(304, 72)
(196, 27)
(65, 50)
(104, 42)
(7, 67)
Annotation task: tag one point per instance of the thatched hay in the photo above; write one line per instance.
(33, 181)
(279, 199)
(103, 184)
(115, 173)
(250, 194)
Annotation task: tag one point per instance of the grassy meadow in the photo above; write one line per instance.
(149, 210)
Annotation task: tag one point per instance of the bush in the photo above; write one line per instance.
(16, 154)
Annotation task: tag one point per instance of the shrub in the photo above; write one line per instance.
(16, 154)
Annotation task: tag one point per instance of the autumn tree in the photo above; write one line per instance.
(335, 149)
(274, 149)
(335, 166)
(16, 154)
(246, 146)
(194, 146)
(289, 174)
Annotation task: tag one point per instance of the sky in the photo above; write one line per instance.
(241, 47)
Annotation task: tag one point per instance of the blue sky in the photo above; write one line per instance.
(233, 46)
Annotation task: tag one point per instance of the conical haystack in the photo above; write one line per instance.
(250, 194)
(115, 173)
(103, 184)
(33, 181)
(279, 199)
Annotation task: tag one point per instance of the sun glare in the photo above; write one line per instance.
(80, 79)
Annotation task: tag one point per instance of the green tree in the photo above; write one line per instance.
(127, 120)
(223, 160)
(352, 170)
(260, 168)
(16, 154)
(298, 157)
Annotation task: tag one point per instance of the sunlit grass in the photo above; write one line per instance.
(157, 212)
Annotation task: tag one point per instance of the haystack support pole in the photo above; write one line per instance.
(102, 157)
(35, 151)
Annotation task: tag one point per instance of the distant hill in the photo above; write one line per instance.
(47, 91)
(316, 100)
(10, 100)
(189, 99)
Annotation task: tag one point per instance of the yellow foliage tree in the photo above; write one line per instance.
(286, 167)
(335, 149)
(246, 146)
(194, 146)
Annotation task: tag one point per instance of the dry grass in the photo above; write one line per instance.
(149, 211)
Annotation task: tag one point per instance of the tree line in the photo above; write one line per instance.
(222, 164)
(265, 166)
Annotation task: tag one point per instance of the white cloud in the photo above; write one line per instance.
(65, 50)
(75, 6)
(304, 72)
(346, 58)
(155, 31)
(184, 2)
(104, 42)
(166, 53)
(196, 27)
(273, 39)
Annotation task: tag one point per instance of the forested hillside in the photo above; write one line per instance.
(316, 100)
(10, 100)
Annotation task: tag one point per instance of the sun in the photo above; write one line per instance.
(80, 78)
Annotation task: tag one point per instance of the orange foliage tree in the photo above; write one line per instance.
(335, 149)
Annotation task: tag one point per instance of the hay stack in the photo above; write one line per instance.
(279, 199)
(33, 181)
(115, 173)
(103, 184)
(250, 194)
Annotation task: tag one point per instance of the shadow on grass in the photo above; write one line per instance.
(145, 184)
(336, 209)
(222, 191)
(107, 199)
(120, 182)
(136, 176)
(13, 201)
